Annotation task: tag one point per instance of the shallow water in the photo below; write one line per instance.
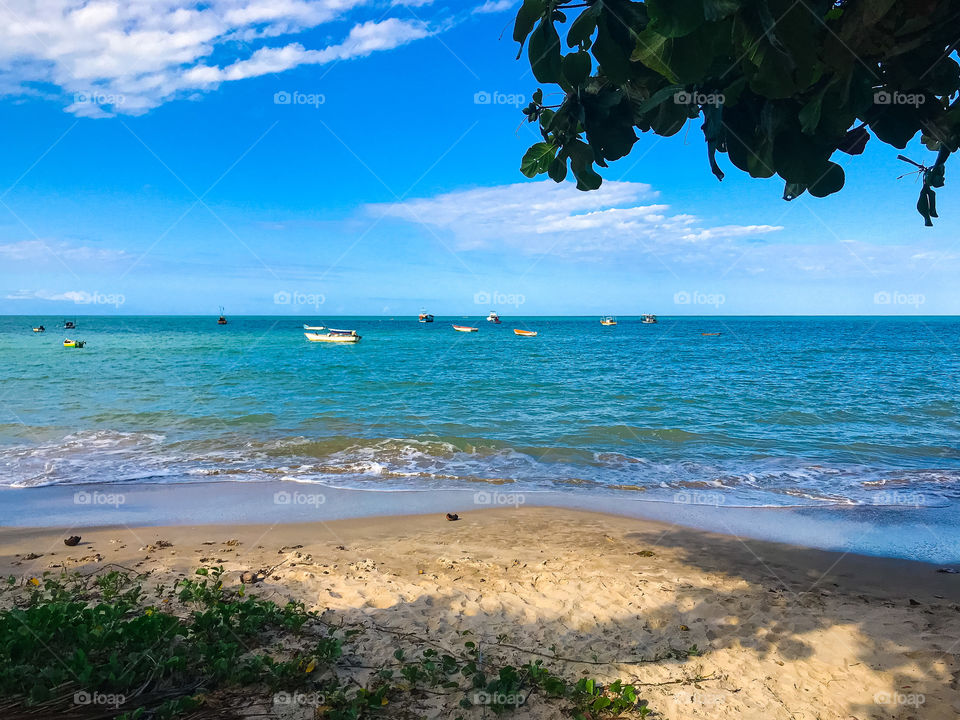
(775, 411)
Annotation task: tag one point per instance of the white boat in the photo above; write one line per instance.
(334, 336)
(493, 317)
(314, 327)
(608, 320)
(648, 319)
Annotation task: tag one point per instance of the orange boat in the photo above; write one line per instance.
(465, 328)
(524, 333)
(710, 334)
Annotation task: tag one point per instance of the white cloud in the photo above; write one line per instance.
(42, 251)
(494, 6)
(536, 217)
(127, 56)
(81, 297)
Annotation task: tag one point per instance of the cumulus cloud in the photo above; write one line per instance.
(494, 6)
(127, 56)
(546, 217)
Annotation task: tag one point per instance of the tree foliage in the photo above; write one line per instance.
(780, 85)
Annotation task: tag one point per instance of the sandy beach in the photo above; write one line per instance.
(706, 625)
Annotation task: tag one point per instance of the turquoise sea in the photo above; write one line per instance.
(772, 412)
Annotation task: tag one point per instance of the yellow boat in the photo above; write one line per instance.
(334, 336)
(524, 333)
(608, 320)
(465, 328)
(74, 343)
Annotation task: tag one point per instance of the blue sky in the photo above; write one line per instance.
(361, 157)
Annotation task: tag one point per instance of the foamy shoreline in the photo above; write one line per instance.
(923, 534)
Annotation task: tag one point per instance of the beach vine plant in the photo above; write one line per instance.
(781, 86)
(105, 646)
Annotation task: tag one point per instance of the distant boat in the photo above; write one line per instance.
(493, 317)
(314, 327)
(40, 328)
(465, 328)
(334, 336)
(69, 325)
(524, 333)
(648, 319)
(425, 317)
(222, 320)
(608, 320)
(710, 334)
(74, 343)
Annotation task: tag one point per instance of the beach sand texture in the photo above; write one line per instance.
(784, 632)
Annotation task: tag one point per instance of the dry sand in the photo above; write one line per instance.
(785, 632)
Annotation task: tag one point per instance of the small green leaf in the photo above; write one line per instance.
(576, 67)
(527, 16)
(537, 159)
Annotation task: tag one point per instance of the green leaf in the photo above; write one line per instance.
(663, 94)
(576, 67)
(584, 26)
(614, 59)
(527, 16)
(558, 169)
(714, 10)
(675, 18)
(537, 159)
(581, 162)
(544, 53)
(830, 182)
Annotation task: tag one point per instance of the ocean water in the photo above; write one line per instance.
(772, 412)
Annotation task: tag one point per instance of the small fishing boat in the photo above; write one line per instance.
(524, 333)
(69, 325)
(493, 317)
(425, 317)
(40, 328)
(222, 320)
(314, 327)
(709, 334)
(74, 343)
(608, 320)
(334, 336)
(648, 319)
(465, 328)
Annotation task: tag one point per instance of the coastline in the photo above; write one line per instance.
(781, 631)
(927, 534)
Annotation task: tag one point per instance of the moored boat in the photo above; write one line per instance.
(493, 317)
(465, 328)
(524, 333)
(334, 336)
(74, 343)
(39, 328)
(648, 319)
(425, 317)
(314, 327)
(608, 320)
(69, 325)
(222, 320)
